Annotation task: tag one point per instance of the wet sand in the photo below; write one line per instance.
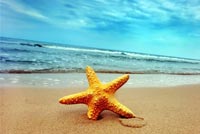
(36, 110)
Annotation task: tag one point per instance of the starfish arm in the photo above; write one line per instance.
(93, 112)
(82, 97)
(117, 83)
(91, 76)
(120, 109)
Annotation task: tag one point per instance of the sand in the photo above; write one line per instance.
(174, 110)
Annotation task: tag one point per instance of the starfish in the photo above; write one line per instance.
(100, 96)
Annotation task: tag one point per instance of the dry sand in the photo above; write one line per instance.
(170, 110)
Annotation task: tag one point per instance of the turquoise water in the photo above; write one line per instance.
(25, 56)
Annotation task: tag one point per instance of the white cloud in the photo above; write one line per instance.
(102, 13)
(24, 10)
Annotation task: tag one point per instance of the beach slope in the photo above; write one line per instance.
(166, 110)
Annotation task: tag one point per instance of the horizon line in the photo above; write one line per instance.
(74, 45)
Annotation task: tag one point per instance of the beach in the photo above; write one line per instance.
(138, 59)
(27, 108)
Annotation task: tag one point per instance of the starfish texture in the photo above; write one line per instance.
(100, 96)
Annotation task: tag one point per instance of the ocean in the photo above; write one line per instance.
(26, 56)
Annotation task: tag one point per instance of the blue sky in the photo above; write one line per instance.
(164, 27)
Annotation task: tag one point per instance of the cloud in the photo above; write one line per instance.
(110, 23)
(23, 9)
(110, 15)
(103, 14)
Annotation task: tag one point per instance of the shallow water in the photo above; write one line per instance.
(79, 80)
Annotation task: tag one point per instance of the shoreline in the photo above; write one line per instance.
(48, 71)
(67, 80)
(36, 110)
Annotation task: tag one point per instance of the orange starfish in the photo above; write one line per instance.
(100, 96)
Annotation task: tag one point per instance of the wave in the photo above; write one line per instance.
(5, 60)
(17, 61)
(14, 71)
(13, 50)
(79, 70)
(20, 50)
(7, 42)
(112, 53)
(82, 49)
(161, 58)
(132, 55)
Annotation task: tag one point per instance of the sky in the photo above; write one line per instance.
(163, 27)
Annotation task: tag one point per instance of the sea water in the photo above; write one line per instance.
(26, 56)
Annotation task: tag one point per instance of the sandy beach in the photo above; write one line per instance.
(35, 110)
(52, 49)
(140, 59)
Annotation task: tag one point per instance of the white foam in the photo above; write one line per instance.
(130, 54)
(83, 49)
(14, 82)
(45, 83)
(2, 78)
(78, 80)
(161, 58)
(56, 80)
